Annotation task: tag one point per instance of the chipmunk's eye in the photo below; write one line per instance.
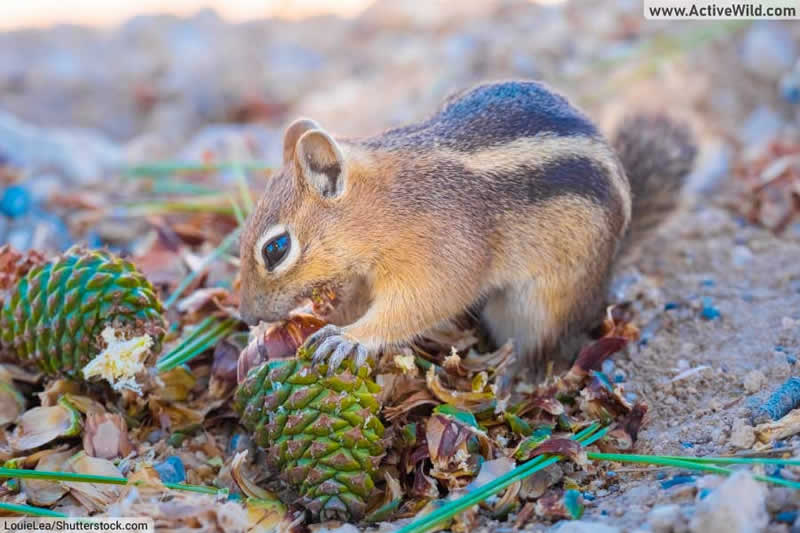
(275, 250)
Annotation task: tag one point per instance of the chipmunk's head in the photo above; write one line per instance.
(300, 236)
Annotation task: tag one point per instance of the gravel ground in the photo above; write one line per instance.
(718, 298)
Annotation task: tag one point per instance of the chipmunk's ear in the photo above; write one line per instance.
(295, 130)
(320, 163)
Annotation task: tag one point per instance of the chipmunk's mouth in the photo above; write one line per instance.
(324, 299)
(339, 303)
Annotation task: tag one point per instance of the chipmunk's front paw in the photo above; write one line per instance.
(333, 346)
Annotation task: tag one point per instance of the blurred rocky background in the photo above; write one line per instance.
(79, 105)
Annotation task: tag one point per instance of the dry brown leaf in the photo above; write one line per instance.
(239, 471)
(56, 389)
(46, 492)
(41, 425)
(94, 496)
(223, 369)
(105, 436)
(470, 401)
(12, 402)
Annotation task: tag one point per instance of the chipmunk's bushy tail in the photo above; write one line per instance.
(657, 155)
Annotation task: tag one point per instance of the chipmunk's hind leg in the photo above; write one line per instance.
(545, 323)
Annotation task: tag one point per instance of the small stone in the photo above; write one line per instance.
(665, 518)
(583, 526)
(762, 123)
(709, 311)
(768, 50)
(741, 256)
(742, 434)
(790, 86)
(171, 470)
(789, 323)
(15, 201)
(780, 499)
(754, 381)
(737, 506)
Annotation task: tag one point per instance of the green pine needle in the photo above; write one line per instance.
(686, 463)
(73, 477)
(237, 211)
(451, 508)
(196, 488)
(244, 188)
(30, 510)
(205, 336)
(165, 168)
(735, 460)
(61, 476)
(210, 203)
(213, 256)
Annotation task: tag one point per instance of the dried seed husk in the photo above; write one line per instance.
(279, 340)
(41, 425)
(45, 492)
(94, 496)
(105, 436)
(12, 403)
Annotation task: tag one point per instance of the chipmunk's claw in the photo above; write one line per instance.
(333, 347)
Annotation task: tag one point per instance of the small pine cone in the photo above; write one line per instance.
(54, 315)
(322, 433)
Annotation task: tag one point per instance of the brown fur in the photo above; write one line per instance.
(506, 197)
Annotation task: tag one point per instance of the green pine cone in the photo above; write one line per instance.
(321, 433)
(54, 315)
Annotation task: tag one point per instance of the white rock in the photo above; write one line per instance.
(741, 256)
(768, 50)
(742, 434)
(79, 154)
(754, 381)
(737, 506)
(663, 519)
(584, 526)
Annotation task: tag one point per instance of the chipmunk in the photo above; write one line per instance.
(507, 201)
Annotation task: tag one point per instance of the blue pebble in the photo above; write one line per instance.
(619, 377)
(710, 312)
(589, 496)
(780, 348)
(669, 306)
(687, 445)
(703, 493)
(791, 359)
(660, 475)
(774, 470)
(171, 470)
(708, 283)
(607, 367)
(15, 202)
(611, 473)
(786, 517)
(94, 240)
(791, 93)
(677, 480)
(631, 397)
